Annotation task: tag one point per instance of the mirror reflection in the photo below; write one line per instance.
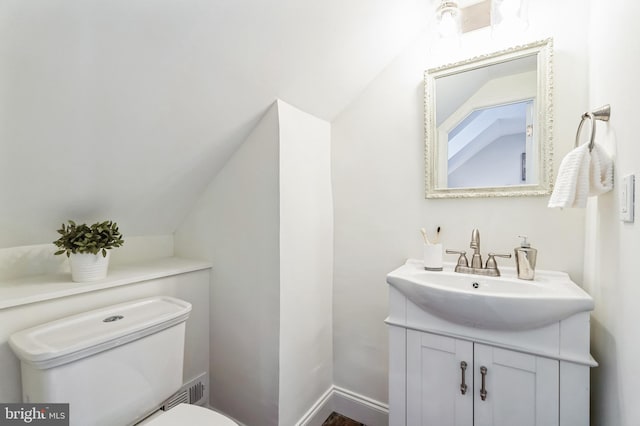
(488, 125)
(489, 147)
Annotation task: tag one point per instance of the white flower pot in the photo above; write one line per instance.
(88, 267)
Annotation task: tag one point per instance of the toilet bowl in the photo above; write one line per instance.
(185, 414)
(113, 366)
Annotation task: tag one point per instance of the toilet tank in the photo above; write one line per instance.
(112, 365)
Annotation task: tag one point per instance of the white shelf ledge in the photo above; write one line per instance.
(32, 289)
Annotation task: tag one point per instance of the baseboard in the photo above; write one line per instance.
(319, 411)
(351, 404)
(359, 407)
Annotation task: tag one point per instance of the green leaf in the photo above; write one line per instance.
(99, 237)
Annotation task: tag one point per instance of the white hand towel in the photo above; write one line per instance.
(600, 172)
(582, 174)
(572, 184)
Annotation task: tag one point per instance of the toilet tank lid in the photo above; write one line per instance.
(78, 336)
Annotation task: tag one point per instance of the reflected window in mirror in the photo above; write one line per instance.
(489, 147)
(488, 125)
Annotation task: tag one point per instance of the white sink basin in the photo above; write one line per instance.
(497, 303)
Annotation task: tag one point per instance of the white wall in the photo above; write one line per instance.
(40, 259)
(126, 110)
(613, 247)
(265, 223)
(378, 178)
(306, 262)
(235, 225)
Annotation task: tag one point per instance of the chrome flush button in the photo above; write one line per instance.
(113, 318)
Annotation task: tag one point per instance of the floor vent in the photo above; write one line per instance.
(178, 398)
(195, 391)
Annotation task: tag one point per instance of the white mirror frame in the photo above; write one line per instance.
(543, 49)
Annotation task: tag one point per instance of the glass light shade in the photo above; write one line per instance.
(508, 17)
(448, 19)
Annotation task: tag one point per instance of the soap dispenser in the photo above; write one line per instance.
(525, 259)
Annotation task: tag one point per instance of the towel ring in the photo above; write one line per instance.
(603, 114)
(593, 130)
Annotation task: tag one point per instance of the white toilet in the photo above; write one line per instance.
(114, 366)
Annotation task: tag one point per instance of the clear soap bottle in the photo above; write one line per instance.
(525, 259)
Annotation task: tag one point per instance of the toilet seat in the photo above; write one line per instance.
(192, 415)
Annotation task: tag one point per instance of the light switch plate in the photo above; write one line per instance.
(627, 198)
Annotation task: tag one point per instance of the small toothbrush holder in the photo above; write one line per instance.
(433, 257)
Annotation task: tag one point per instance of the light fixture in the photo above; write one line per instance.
(448, 19)
(508, 17)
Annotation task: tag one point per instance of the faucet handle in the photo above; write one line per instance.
(491, 261)
(462, 260)
(506, 256)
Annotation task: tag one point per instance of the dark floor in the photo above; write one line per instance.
(336, 419)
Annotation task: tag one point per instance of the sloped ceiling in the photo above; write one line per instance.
(126, 109)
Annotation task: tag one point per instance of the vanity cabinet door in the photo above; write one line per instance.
(521, 389)
(435, 369)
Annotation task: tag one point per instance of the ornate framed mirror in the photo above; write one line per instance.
(488, 125)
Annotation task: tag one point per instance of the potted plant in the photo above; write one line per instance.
(87, 248)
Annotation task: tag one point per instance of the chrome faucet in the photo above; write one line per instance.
(476, 259)
(490, 268)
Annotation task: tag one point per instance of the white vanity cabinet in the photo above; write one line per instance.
(520, 389)
(439, 380)
(445, 385)
(446, 371)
